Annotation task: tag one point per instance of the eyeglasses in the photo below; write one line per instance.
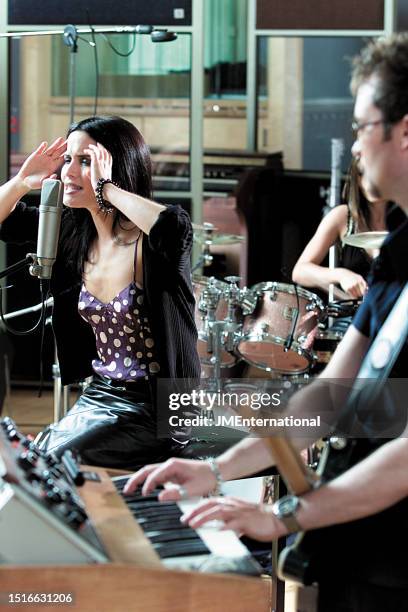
(357, 127)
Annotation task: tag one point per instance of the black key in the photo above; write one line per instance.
(171, 536)
(159, 525)
(139, 499)
(180, 549)
(156, 512)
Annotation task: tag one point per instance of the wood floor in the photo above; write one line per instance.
(30, 412)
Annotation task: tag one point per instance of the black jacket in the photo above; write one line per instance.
(168, 294)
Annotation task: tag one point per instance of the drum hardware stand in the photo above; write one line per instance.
(206, 258)
(222, 334)
(216, 337)
(233, 297)
(337, 151)
(208, 303)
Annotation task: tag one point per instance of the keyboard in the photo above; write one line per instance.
(181, 547)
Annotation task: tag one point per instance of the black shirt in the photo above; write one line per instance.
(372, 549)
(168, 291)
(388, 277)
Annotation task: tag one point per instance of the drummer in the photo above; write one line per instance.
(363, 213)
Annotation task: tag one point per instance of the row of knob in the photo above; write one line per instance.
(48, 478)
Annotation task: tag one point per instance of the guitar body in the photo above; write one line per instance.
(307, 558)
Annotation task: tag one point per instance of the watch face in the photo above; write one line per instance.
(288, 505)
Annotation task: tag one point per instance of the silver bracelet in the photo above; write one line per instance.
(216, 471)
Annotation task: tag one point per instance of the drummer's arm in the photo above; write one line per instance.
(253, 454)
(308, 270)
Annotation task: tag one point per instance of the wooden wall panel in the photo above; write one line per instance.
(320, 14)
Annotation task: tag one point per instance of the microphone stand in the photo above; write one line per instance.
(19, 313)
(29, 260)
(70, 39)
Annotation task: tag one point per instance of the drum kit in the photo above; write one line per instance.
(271, 326)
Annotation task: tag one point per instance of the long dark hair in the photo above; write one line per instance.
(357, 203)
(131, 169)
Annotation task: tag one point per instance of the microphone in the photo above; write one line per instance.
(158, 36)
(48, 228)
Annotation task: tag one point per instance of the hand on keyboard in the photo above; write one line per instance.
(245, 518)
(195, 477)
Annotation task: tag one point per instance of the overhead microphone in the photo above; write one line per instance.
(48, 228)
(158, 36)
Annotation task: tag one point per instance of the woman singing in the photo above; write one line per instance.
(123, 303)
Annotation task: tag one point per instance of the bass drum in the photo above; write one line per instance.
(279, 335)
(200, 286)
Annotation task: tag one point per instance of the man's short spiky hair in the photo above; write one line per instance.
(385, 59)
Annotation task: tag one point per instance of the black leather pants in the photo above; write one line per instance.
(110, 427)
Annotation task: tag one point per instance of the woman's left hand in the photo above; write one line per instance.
(101, 163)
(245, 518)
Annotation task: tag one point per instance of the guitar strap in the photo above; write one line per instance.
(377, 364)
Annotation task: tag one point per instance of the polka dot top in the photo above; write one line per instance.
(124, 343)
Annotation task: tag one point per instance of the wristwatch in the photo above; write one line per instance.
(285, 510)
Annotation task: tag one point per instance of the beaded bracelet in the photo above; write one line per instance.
(103, 204)
(216, 471)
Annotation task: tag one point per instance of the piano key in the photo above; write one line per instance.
(163, 524)
(152, 510)
(179, 549)
(162, 520)
(168, 536)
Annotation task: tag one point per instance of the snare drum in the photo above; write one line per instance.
(279, 334)
(211, 305)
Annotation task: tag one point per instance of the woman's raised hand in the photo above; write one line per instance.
(42, 163)
(101, 163)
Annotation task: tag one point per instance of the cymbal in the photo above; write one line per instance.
(204, 238)
(204, 227)
(366, 240)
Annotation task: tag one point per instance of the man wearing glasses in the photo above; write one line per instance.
(363, 568)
